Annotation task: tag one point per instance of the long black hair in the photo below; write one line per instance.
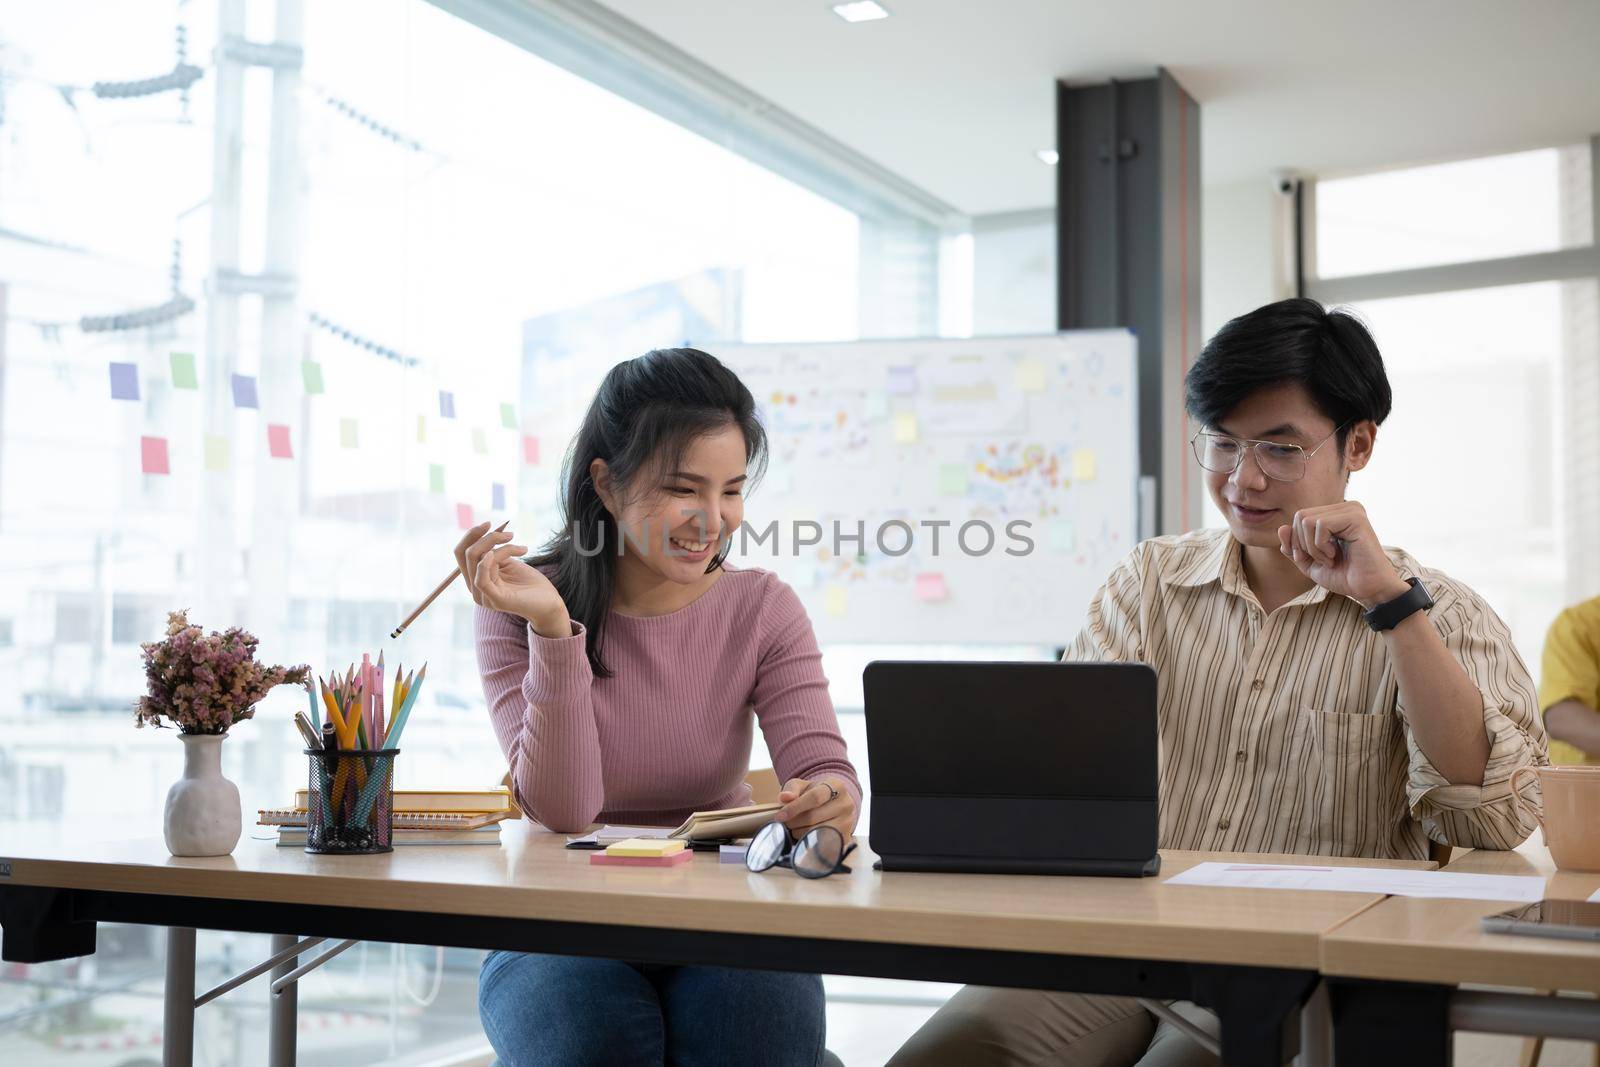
(646, 414)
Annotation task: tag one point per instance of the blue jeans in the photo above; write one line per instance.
(555, 1011)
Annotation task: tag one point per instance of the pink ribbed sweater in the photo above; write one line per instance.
(669, 732)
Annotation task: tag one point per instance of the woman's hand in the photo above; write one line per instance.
(497, 579)
(819, 802)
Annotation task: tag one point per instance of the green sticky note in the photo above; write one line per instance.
(508, 416)
(312, 373)
(435, 478)
(480, 441)
(183, 375)
(953, 479)
(349, 433)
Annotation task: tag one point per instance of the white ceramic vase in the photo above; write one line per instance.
(203, 814)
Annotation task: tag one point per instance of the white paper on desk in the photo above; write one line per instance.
(610, 835)
(1594, 898)
(1400, 883)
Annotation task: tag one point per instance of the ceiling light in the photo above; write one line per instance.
(861, 11)
(1048, 156)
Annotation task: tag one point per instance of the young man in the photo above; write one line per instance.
(1569, 684)
(1319, 694)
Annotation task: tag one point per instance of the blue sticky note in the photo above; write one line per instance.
(124, 381)
(244, 392)
(499, 497)
(447, 405)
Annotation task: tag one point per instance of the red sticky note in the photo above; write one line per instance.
(530, 449)
(464, 516)
(153, 455)
(278, 441)
(930, 586)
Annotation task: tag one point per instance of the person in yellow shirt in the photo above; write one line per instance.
(1569, 690)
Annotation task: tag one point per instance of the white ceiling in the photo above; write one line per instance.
(956, 95)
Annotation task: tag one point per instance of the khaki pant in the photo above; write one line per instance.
(981, 1027)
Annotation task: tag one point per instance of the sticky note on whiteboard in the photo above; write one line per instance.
(877, 404)
(435, 478)
(530, 450)
(836, 601)
(349, 433)
(311, 375)
(1083, 465)
(905, 428)
(903, 380)
(464, 516)
(1031, 376)
(953, 479)
(930, 587)
(1063, 538)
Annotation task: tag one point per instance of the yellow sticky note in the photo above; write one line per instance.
(644, 846)
(216, 453)
(953, 479)
(480, 441)
(905, 428)
(1083, 465)
(1031, 376)
(349, 433)
(837, 601)
(422, 429)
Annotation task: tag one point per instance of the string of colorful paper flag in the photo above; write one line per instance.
(183, 374)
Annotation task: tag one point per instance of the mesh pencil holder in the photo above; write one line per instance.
(352, 801)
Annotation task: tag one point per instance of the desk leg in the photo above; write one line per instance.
(283, 1021)
(1259, 1011)
(1390, 1022)
(177, 1031)
(1316, 1031)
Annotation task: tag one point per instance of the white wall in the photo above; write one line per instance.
(1014, 272)
(1240, 227)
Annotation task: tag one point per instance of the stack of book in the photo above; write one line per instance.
(421, 817)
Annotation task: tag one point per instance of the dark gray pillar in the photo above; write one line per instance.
(1128, 254)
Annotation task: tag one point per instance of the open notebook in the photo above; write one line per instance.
(701, 826)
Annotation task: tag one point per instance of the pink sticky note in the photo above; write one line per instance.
(278, 441)
(464, 516)
(153, 455)
(930, 586)
(530, 449)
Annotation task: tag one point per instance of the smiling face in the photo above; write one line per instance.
(676, 520)
(1256, 505)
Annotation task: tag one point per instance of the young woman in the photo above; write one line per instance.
(623, 668)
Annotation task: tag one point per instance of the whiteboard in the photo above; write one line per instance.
(952, 442)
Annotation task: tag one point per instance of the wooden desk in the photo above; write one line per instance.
(1434, 946)
(1251, 955)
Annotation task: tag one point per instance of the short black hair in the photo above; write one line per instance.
(1330, 353)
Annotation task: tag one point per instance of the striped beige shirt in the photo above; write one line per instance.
(1287, 732)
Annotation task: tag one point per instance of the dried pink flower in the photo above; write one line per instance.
(205, 682)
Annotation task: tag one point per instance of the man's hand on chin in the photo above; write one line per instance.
(1334, 545)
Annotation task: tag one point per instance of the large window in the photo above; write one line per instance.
(264, 350)
(1478, 279)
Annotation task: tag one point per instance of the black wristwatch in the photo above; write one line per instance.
(1392, 613)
